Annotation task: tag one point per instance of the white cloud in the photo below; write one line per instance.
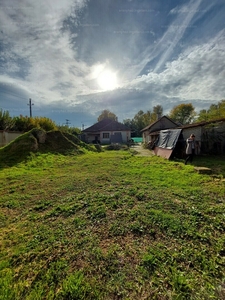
(164, 47)
(35, 43)
(40, 60)
(176, 31)
(197, 74)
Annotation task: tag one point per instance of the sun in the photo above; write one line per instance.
(107, 80)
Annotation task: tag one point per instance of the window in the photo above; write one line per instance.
(105, 135)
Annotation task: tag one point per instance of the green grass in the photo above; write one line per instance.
(111, 225)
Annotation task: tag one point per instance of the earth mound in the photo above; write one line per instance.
(38, 140)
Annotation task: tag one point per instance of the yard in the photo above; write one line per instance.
(112, 225)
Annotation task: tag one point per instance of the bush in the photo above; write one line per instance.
(116, 147)
(5, 120)
(25, 123)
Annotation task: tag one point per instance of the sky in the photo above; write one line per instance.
(75, 58)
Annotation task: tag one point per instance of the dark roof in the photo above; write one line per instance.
(107, 125)
(203, 123)
(199, 124)
(163, 117)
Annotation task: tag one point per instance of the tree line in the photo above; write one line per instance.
(25, 123)
(182, 114)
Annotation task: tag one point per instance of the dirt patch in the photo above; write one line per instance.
(141, 151)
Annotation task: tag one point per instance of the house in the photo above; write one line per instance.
(151, 132)
(106, 131)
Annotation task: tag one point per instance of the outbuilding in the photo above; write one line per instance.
(151, 132)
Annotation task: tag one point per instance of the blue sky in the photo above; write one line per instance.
(75, 58)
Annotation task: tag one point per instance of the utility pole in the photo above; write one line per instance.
(67, 122)
(30, 104)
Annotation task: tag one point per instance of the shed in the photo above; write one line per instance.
(151, 132)
(209, 134)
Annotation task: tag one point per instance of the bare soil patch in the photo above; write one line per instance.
(141, 151)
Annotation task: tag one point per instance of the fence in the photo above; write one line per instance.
(8, 136)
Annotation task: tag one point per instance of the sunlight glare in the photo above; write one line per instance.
(107, 80)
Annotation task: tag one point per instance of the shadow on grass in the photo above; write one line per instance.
(215, 162)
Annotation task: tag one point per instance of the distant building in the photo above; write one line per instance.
(106, 131)
(151, 132)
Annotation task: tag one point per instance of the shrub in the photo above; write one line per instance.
(116, 147)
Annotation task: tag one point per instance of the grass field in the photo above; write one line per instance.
(111, 225)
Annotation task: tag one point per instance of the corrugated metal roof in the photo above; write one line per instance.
(198, 124)
(203, 123)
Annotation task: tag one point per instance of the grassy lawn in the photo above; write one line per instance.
(112, 225)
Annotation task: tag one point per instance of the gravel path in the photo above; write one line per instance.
(142, 151)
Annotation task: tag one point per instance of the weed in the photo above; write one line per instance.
(77, 286)
(7, 291)
(97, 213)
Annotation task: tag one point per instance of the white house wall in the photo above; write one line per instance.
(105, 140)
(126, 136)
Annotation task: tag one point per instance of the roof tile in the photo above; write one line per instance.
(107, 125)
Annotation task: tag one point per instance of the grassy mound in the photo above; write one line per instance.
(37, 140)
